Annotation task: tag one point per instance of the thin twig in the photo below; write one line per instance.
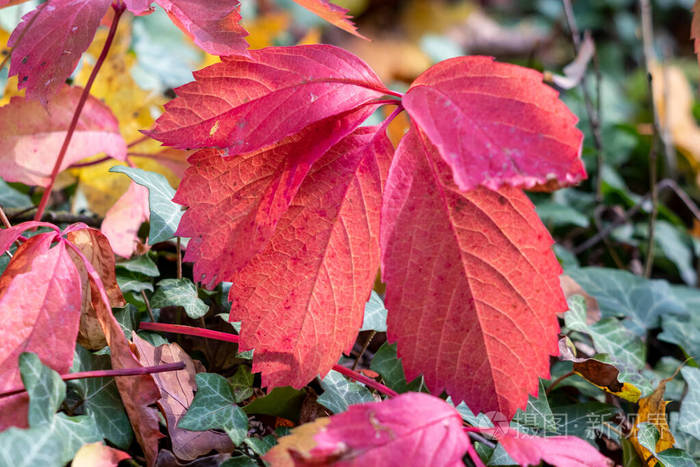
(648, 48)
(6, 223)
(118, 10)
(593, 116)
(557, 381)
(138, 141)
(4, 219)
(55, 217)
(661, 186)
(80, 165)
(179, 259)
(364, 349)
(228, 337)
(148, 305)
(144, 370)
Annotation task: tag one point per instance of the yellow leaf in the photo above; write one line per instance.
(297, 444)
(264, 29)
(673, 97)
(652, 409)
(115, 87)
(98, 455)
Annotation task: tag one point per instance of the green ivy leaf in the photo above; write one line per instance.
(386, 363)
(165, 215)
(648, 436)
(375, 314)
(537, 415)
(11, 198)
(242, 383)
(556, 215)
(101, 399)
(45, 387)
(339, 393)
(179, 292)
(130, 281)
(282, 402)
(620, 293)
(52, 439)
(684, 332)
(141, 265)
(689, 421)
(214, 407)
(675, 458)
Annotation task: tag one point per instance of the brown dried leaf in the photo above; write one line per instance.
(138, 393)
(177, 389)
(97, 250)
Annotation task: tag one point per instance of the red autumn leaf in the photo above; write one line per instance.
(40, 312)
(138, 393)
(495, 124)
(231, 104)
(31, 135)
(562, 451)
(122, 221)
(472, 287)
(251, 191)
(301, 300)
(334, 14)
(411, 429)
(177, 390)
(49, 42)
(213, 26)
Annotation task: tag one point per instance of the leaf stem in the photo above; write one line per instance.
(557, 381)
(138, 141)
(593, 114)
(118, 10)
(228, 337)
(144, 370)
(366, 380)
(80, 165)
(179, 259)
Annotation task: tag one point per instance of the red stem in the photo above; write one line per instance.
(228, 337)
(364, 379)
(190, 331)
(80, 165)
(118, 10)
(144, 370)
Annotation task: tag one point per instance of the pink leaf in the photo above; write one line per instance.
(301, 300)
(244, 103)
(59, 32)
(562, 451)
(40, 300)
(496, 124)
(251, 192)
(411, 429)
(31, 135)
(139, 7)
(212, 25)
(334, 14)
(472, 286)
(122, 221)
